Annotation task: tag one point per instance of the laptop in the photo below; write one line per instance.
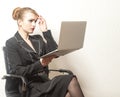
(71, 38)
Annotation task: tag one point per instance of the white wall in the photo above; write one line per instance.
(97, 65)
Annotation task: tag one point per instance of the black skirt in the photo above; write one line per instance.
(57, 87)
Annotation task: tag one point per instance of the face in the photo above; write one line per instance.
(28, 23)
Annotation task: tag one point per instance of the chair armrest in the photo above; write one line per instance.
(24, 83)
(62, 70)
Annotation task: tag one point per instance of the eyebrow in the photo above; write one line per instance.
(33, 19)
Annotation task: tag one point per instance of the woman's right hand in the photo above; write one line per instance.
(42, 24)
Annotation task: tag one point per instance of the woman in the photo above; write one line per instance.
(24, 51)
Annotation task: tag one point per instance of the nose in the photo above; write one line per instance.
(34, 23)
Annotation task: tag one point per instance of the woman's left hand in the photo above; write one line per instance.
(46, 60)
(42, 24)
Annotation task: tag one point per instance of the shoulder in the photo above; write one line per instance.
(11, 44)
(11, 41)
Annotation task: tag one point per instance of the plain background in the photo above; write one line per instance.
(97, 64)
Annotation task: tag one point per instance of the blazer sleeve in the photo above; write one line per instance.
(50, 44)
(15, 63)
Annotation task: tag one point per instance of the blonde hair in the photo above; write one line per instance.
(18, 13)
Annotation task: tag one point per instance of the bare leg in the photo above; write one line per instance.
(67, 95)
(74, 89)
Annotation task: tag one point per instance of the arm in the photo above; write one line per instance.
(50, 44)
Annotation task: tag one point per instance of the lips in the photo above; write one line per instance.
(32, 29)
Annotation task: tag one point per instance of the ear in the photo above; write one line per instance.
(19, 22)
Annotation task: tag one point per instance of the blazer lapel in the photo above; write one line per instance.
(35, 43)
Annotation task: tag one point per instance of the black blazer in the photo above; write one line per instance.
(23, 60)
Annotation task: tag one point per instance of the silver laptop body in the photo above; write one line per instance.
(71, 38)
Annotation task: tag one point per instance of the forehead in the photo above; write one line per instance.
(29, 15)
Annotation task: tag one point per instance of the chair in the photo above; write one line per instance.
(23, 86)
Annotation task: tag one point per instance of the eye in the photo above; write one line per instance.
(30, 20)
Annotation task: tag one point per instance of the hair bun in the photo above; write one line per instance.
(15, 13)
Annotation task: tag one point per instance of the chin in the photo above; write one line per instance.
(31, 32)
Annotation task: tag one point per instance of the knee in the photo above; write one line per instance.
(74, 81)
(68, 94)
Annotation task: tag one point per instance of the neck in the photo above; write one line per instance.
(24, 34)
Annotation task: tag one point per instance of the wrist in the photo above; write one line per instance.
(45, 30)
(41, 61)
